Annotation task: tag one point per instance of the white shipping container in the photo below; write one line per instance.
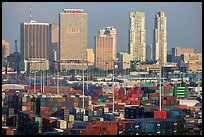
(85, 118)
(23, 108)
(95, 113)
(62, 124)
(70, 125)
(58, 130)
(106, 109)
(71, 117)
(101, 119)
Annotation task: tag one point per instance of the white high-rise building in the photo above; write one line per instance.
(160, 38)
(137, 36)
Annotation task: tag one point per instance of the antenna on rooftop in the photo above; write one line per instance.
(30, 12)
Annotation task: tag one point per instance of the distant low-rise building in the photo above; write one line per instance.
(5, 48)
(176, 53)
(192, 61)
(124, 60)
(90, 56)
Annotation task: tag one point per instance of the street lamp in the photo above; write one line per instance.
(159, 84)
(58, 63)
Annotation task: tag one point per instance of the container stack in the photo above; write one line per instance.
(134, 112)
(48, 124)
(8, 130)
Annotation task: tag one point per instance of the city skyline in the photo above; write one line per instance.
(179, 20)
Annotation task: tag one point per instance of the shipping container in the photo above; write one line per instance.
(160, 114)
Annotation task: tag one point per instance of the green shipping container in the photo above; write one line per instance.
(155, 98)
(139, 98)
(100, 100)
(147, 103)
(144, 98)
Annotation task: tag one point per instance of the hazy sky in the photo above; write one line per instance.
(184, 20)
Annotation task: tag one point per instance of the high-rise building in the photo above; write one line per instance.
(90, 56)
(137, 36)
(54, 44)
(5, 49)
(149, 55)
(124, 60)
(160, 38)
(106, 48)
(34, 45)
(72, 39)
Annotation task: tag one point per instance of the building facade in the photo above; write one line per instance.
(124, 60)
(160, 38)
(149, 55)
(54, 44)
(192, 57)
(192, 61)
(72, 39)
(106, 48)
(178, 52)
(137, 36)
(5, 49)
(34, 45)
(90, 56)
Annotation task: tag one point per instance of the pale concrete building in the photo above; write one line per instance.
(178, 51)
(137, 36)
(160, 38)
(90, 56)
(5, 49)
(192, 57)
(192, 61)
(106, 48)
(34, 45)
(124, 60)
(193, 67)
(72, 39)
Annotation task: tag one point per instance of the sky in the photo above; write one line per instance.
(184, 20)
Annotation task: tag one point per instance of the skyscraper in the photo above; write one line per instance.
(137, 36)
(160, 38)
(106, 48)
(34, 45)
(72, 38)
(5, 49)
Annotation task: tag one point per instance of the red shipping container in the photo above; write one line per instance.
(181, 106)
(160, 114)
(155, 94)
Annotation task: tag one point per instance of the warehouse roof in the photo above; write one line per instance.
(189, 103)
(13, 86)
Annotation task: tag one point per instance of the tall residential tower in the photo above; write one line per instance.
(137, 36)
(160, 38)
(106, 48)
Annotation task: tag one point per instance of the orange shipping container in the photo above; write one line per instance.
(160, 114)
